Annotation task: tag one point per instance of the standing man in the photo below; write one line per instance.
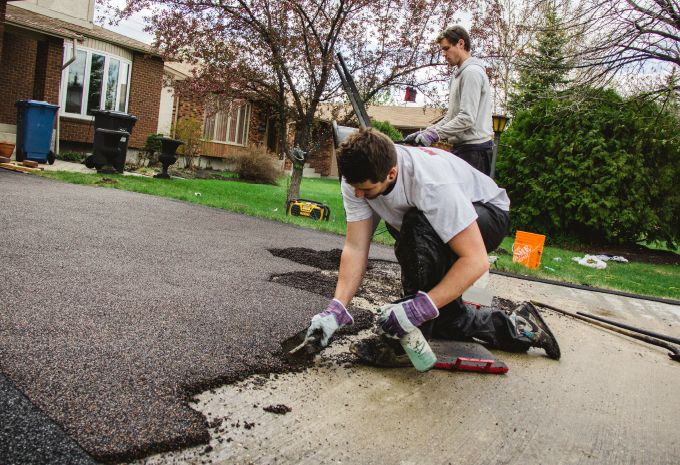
(445, 217)
(467, 125)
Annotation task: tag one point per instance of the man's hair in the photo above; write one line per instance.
(367, 155)
(453, 34)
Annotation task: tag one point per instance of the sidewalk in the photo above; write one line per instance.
(60, 165)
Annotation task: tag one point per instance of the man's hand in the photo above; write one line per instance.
(427, 137)
(411, 138)
(401, 318)
(326, 323)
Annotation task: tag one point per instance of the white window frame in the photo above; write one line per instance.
(68, 52)
(230, 121)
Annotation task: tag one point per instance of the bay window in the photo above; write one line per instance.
(94, 81)
(228, 124)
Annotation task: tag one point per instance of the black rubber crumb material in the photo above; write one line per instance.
(324, 260)
(279, 409)
(28, 436)
(506, 305)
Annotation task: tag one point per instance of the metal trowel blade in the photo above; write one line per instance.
(299, 346)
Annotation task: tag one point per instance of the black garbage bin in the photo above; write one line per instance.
(108, 144)
(116, 121)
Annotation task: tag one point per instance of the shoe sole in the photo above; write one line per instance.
(544, 327)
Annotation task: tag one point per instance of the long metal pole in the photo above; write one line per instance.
(674, 353)
(352, 92)
(663, 337)
(496, 140)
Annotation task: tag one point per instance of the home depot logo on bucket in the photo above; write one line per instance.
(528, 248)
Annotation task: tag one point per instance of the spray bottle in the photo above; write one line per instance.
(418, 350)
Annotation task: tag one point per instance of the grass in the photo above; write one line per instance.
(261, 200)
(634, 277)
(267, 201)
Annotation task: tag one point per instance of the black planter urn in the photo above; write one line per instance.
(168, 155)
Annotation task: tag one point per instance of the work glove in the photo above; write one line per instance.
(411, 138)
(427, 137)
(326, 323)
(402, 317)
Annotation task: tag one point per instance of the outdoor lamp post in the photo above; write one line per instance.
(499, 123)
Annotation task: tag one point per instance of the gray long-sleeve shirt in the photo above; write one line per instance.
(468, 120)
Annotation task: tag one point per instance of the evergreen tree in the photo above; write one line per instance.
(544, 68)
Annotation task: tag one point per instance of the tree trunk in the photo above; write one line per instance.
(302, 141)
(295, 181)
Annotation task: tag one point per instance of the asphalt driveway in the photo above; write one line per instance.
(116, 306)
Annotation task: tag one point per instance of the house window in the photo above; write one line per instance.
(94, 81)
(228, 124)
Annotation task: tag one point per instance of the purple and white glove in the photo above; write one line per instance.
(326, 323)
(427, 137)
(401, 318)
(411, 138)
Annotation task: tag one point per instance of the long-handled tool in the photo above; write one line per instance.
(663, 337)
(674, 353)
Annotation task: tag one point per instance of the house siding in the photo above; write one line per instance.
(3, 10)
(72, 130)
(193, 107)
(145, 96)
(49, 62)
(17, 70)
(322, 157)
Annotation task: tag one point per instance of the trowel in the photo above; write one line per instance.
(300, 347)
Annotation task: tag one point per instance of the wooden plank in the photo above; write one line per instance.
(23, 169)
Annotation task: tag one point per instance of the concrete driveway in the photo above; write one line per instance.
(118, 307)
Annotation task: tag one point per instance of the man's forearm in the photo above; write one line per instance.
(471, 264)
(352, 266)
(464, 272)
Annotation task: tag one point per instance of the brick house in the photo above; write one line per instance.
(52, 51)
(245, 125)
(229, 129)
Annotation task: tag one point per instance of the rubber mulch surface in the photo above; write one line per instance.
(117, 306)
(28, 437)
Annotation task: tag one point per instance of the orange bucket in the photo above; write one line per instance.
(528, 248)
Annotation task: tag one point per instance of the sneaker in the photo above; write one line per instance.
(531, 324)
(380, 351)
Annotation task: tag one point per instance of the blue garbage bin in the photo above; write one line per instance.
(35, 120)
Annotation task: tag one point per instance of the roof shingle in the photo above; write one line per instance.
(52, 26)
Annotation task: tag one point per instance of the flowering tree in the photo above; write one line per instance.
(627, 37)
(283, 51)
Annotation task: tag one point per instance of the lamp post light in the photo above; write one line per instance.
(499, 123)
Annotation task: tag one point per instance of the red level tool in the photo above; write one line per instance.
(466, 356)
(473, 364)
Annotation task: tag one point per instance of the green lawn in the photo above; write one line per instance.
(635, 277)
(267, 201)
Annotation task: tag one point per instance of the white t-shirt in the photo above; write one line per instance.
(434, 181)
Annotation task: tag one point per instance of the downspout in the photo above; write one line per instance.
(64, 66)
(173, 128)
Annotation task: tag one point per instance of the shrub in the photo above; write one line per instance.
(603, 174)
(189, 130)
(258, 166)
(387, 129)
(71, 156)
(152, 148)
